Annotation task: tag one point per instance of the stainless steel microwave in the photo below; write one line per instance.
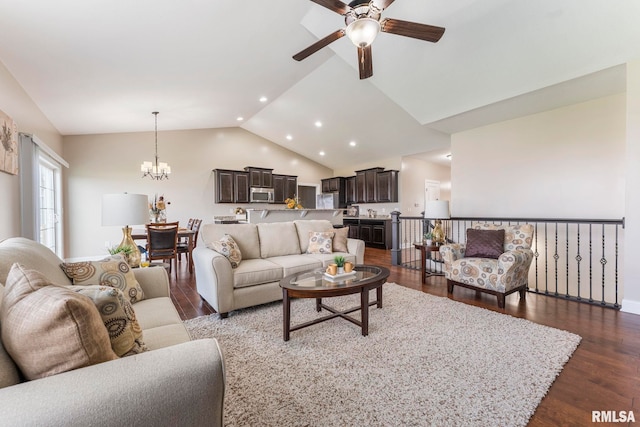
(261, 195)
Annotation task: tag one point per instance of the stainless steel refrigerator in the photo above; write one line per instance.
(328, 201)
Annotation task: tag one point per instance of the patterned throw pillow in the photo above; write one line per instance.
(118, 316)
(48, 329)
(229, 248)
(320, 242)
(112, 271)
(484, 243)
(340, 239)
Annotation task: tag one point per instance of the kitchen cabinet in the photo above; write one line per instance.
(240, 187)
(375, 233)
(333, 185)
(387, 186)
(284, 187)
(224, 186)
(290, 186)
(373, 185)
(350, 190)
(366, 185)
(360, 187)
(231, 186)
(260, 177)
(336, 185)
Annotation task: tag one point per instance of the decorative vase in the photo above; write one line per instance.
(133, 258)
(340, 270)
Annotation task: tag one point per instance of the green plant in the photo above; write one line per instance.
(125, 250)
(339, 260)
(428, 236)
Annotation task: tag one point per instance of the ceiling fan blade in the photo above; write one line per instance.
(318, 45)
(336, 5)
(412, 29)
(365, 63)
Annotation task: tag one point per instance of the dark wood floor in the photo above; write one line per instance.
(603, 373)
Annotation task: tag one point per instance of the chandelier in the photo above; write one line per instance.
(157, 170)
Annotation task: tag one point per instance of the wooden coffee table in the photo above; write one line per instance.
(314, 284)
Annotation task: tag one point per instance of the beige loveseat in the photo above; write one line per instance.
(178, 382)
(269, 251)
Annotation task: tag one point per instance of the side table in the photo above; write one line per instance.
(425, 253)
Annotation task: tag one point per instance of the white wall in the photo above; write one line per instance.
(412, 176)
(631, 301)
(18, 105)
(564, 163)
(110, 163)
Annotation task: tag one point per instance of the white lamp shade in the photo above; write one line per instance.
(437, 209)
(125, 209)
(362, 32)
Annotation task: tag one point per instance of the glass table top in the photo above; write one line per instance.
(317, 279)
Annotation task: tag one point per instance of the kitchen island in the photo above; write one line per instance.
(255, 216)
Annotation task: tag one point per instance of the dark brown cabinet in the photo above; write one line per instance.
(290, 186)
(284, 187)
(366, 185)
(241, 187)
(354, 227)
(373, 185)
(375, 233)
(350, 190)
(232, 186)
(360, 187)
(260, 177)
(387, 186)
(336, 185)
(224, 186)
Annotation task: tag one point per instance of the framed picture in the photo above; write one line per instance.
(9, 145)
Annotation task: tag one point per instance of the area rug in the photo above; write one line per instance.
(428, 361)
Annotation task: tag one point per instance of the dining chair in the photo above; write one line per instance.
(183, 247)
(162, 243)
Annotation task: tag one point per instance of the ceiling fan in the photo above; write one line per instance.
(363, 25)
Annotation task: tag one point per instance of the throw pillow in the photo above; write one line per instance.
(320, 242)
(340, 239)
(112, 271)
(484, 243)
(118, 317)
(48, 329)
(229, 248)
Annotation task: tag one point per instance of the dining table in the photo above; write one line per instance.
(141, 234)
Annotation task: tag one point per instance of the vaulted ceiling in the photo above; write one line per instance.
(101, 67)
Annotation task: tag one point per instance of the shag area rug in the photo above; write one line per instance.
(428, 361)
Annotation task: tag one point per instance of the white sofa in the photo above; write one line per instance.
(178, 382)
(270, 251)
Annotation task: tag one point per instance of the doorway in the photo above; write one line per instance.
(307, 196)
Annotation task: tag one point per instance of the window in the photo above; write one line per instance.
(50, 233)
(41, 193)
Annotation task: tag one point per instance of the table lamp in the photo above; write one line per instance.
(437, 210)
(123, 210)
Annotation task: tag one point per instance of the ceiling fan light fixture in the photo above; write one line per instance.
(362, 32)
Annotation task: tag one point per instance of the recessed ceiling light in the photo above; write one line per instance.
(289, 137)
(448, 156)
(263, 99)
(321, 153)
(318, 124)
(353, 143)
(240, 118)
